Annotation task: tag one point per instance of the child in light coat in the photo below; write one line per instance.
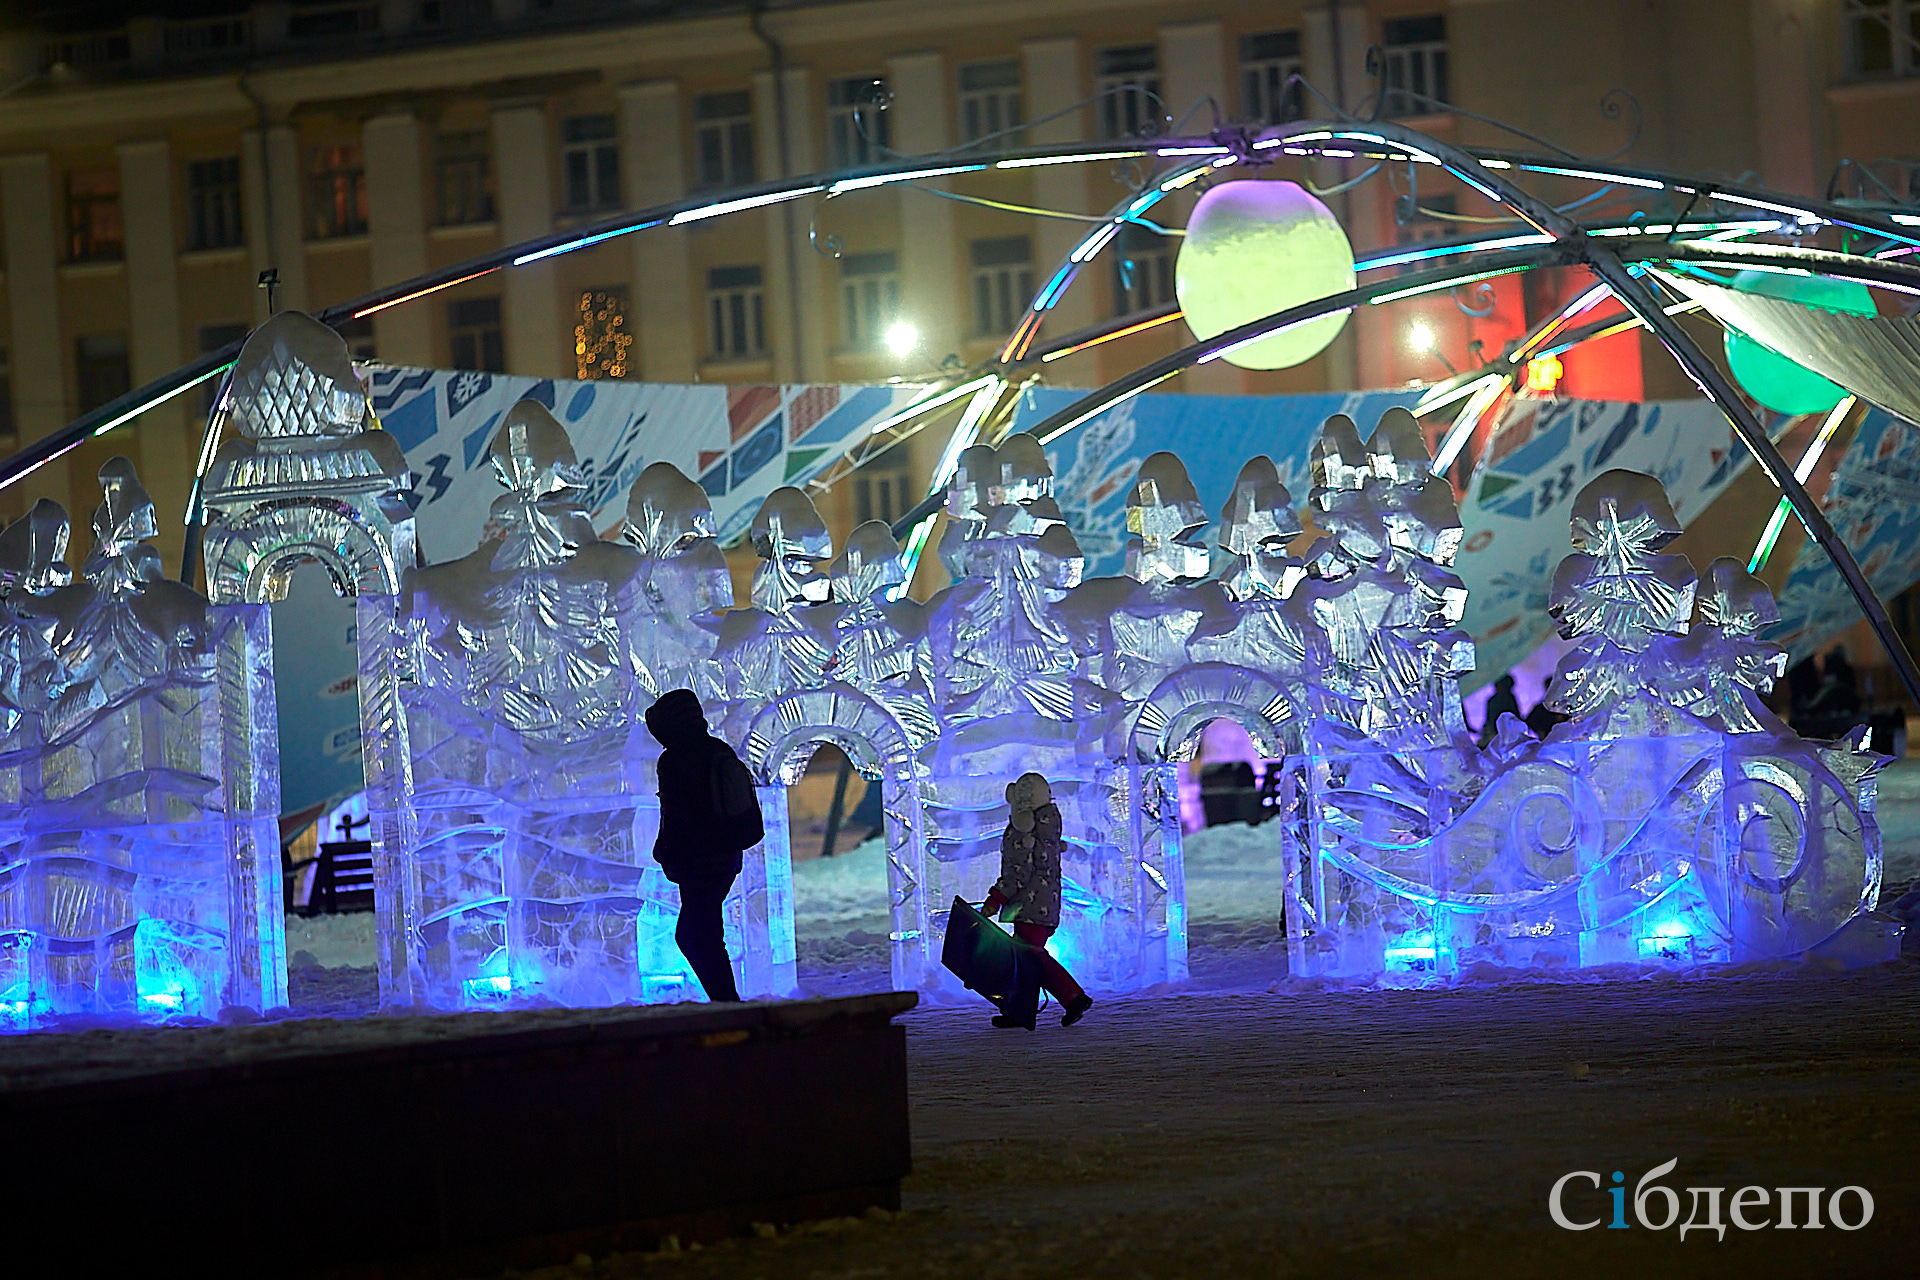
(1028, 891)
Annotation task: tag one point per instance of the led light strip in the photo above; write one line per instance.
(1763, 549)
(1486, 393)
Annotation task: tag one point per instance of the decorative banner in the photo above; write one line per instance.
(1213, 435)
(1518, 503)
(740, 442)
(1874, 505)
(316, 683)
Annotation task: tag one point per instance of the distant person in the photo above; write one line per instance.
(1500, 702)
(1842, 684)
(709, 816)
(1542, 718)
(1029, 891)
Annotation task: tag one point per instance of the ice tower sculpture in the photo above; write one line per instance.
(517, 784)
(1671, 821)
(309, 476)
(139, 786)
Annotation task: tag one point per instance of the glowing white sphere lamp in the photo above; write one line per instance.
(1420, 337)
(1253, 248)
(902, 338)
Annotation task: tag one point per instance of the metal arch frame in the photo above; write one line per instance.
(1573, 245)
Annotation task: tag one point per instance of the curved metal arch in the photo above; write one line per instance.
(1570, 244)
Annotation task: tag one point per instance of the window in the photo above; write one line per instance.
(880, 491)
(465, 196)
(590, 161)
(869, 297)
(1002, 283)
(213, 203)
(1128, 82)
(454, 13)
(358, 335)
(1413, 72)
(602, 343)
(337, 189)
(101, 369)
(1142, 270)
(723, 138)
(857, 129)
(473, 333)
(736, 313)
(93, 215)
(332, 21)
(212, 338)
(1883, 37)
(1267, 64)
(989, 98)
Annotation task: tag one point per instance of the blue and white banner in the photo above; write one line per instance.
(1873, 503)
(740, 442)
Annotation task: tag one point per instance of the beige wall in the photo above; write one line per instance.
(1732, 86)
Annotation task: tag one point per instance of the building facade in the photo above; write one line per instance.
(151, 169)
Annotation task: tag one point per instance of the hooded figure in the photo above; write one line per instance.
(696, 769)
(1028, 891)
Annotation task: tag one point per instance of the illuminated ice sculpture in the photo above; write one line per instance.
(512, 784)
(139, 781)
(1671, 821)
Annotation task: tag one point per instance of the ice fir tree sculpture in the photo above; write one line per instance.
(1619, 598)
(684, 582)
(140, 797)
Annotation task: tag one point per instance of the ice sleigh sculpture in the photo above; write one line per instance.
(1672, 820)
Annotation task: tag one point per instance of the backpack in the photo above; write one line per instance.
(734, 803)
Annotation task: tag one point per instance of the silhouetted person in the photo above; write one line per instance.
(1803, 687)
(1500, 701)
(709, 815)
(1842, 691)
(1542, 718)
(1029, 889)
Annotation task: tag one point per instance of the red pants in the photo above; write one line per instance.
(1053, 975)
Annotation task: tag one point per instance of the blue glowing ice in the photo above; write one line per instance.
(139, 783)
(510, 773)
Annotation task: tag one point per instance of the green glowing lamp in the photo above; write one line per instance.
(1253, 248)
(1774, 380)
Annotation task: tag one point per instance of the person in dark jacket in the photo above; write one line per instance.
(691, 848)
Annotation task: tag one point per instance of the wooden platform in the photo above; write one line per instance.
(446, 1145)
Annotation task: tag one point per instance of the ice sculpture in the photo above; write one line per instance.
(1671, 821)
(516, 778)
(139, 788)
(308, 476)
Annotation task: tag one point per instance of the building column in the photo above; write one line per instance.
(397, 234)
(33, 300)
(932, 298)
(1053, 83)
(1788, 101)
(655, 174)
(168, 445)
(275, 216)
(530, 306)
(1193, 68)
(793, 280)
(1333, 51)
